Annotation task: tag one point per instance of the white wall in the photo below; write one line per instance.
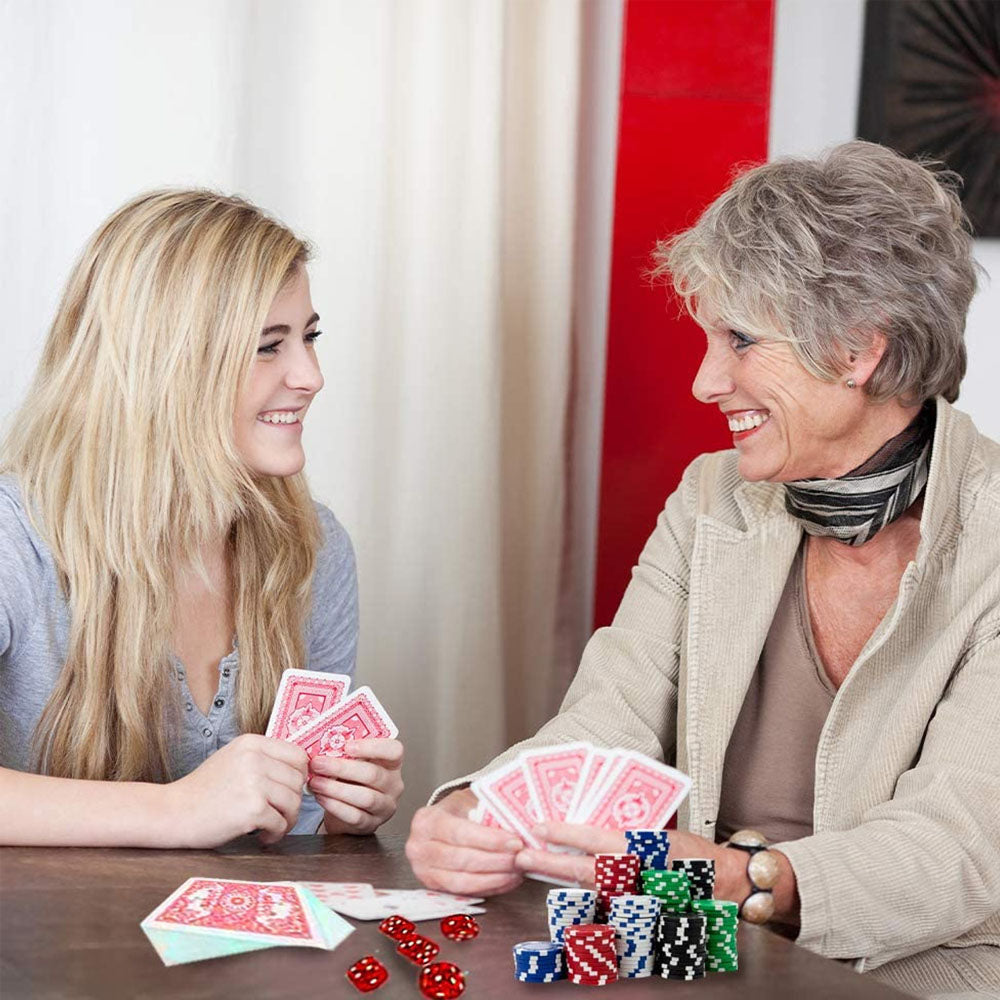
(814, 99)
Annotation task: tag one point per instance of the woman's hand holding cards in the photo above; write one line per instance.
(451, 853)
(360, 791)
(252, 783)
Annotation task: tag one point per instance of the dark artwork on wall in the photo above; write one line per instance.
(930, 86)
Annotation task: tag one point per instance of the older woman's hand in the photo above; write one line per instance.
(730, 866)
(358, 792)
(450, 852)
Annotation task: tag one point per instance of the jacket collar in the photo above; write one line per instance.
(946, 497)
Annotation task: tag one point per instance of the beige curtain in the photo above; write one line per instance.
(432, 151)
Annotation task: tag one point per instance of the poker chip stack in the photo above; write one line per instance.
(700, 873)
(650, 846)
(680, 946)
(591, 958)
(721, 922)
(634, 919)
(672, 888)
(539, 961)
(615, 875)
(660, 922)
(569, 908)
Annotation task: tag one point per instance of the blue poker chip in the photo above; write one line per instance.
(652, 846)
(539, 948)
(539, 961)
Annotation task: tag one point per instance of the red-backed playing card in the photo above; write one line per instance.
(553, 774)
(592, 773)
(273, 910)
(506, 792)
(642, 794)
(302, 696)
(359, 716)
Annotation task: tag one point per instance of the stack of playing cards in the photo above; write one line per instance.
(364, 902)
(313, 710)
(579, 783)
(211, 917)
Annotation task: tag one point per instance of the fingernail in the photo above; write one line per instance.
(513, 845)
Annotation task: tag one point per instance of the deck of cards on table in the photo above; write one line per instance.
(579, 783)
(211, 917)
(314, 711)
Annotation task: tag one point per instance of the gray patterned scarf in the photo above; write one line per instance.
(863, 501)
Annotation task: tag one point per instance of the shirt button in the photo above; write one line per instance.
(225, 671)
(189, 706)
(219, 702)
(206, 732)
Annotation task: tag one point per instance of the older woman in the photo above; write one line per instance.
(813, 629)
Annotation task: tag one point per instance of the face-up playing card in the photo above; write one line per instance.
(553, 775)
(414, 904)
(506, 792)
(302, 696)
(359, 716)
(333, 893)
(209, 918)
(640, 794)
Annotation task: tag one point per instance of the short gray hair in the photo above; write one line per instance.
(825, 252)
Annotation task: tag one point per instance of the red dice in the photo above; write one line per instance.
(441, 981)
(460, 927)
(367, 974)
(418, 949)
(397, 927)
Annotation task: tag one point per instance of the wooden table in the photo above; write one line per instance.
(69, 927)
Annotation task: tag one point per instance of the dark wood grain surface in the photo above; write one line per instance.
(69, 927)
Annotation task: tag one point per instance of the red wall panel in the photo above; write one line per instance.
(696, 81)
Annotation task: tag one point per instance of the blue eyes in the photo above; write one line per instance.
(740, 341)
(310, 338)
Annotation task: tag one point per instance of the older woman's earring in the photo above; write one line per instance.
(851, 384)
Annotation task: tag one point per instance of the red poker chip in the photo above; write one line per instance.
(367, 974)
(397, 927)
(441, 981)
(460, 927)
(621, 867)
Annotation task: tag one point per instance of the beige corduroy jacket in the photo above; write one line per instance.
(902, 871)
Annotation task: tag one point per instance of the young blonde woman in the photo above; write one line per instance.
(161, 559)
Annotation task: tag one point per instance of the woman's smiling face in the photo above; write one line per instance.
(283, 380)
(787, 424)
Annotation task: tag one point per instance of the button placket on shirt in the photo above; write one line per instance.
(213, 719)
(222, 695)
(188, 703)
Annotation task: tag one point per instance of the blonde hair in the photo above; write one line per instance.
(124, 449)
(822, 253)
